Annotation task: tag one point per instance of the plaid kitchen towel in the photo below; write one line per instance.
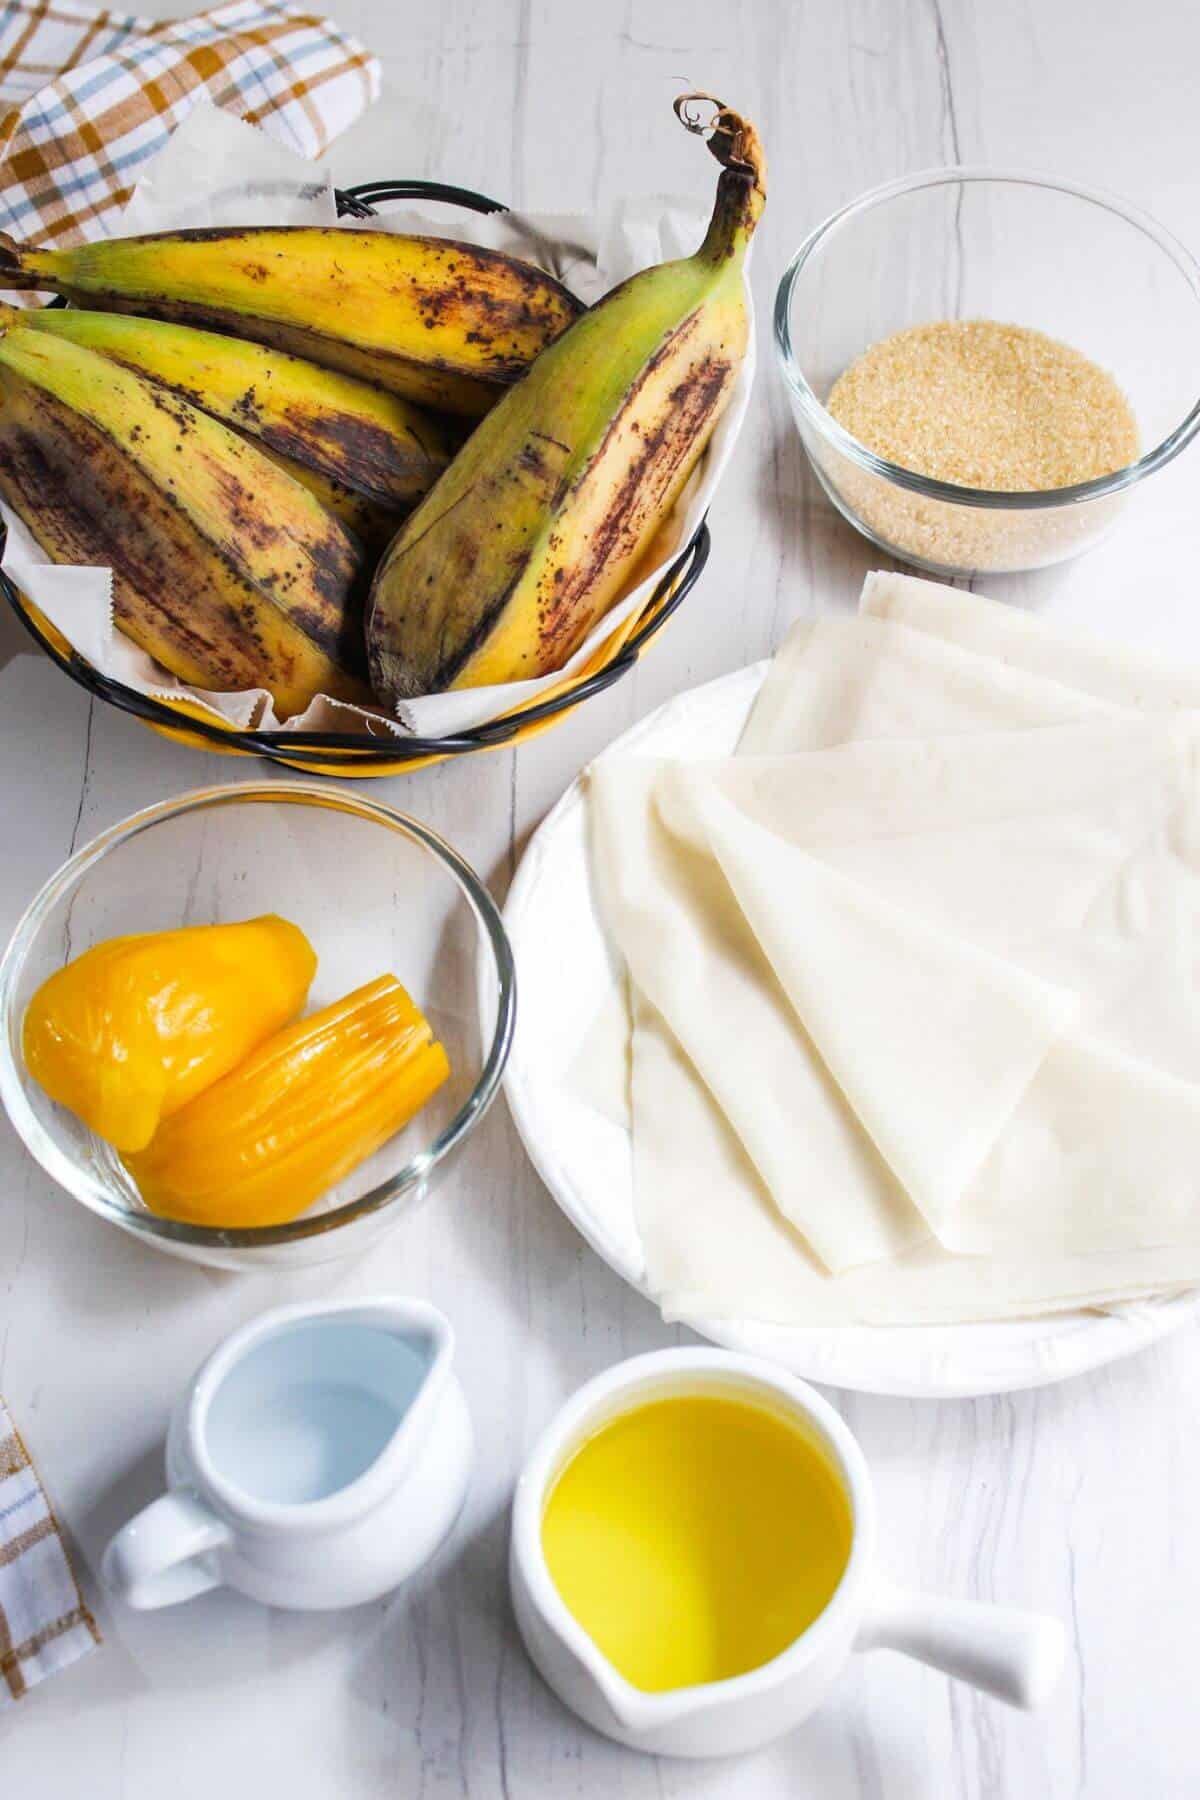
(44, 1624)
(88, 96)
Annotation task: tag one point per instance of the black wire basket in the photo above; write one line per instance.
(364, 753)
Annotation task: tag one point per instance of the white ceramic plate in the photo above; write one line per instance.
(566, 974)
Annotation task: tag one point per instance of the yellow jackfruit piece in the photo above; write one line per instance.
(136, 1027)
(261, 1145)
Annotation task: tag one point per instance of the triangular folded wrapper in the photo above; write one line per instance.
(1009, 639)
(843, 680)
(873, 678)
(1069, 850)
(700, 966)
(931, 1041)
(691, 952)
(1009, 1128)
(716, 1247)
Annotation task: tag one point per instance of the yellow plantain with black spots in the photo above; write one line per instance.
(448, 325)
(355, 436)
(225, 569)
(528, 537)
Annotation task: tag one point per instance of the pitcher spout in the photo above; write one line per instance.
(422, 1371)
(419, 1324)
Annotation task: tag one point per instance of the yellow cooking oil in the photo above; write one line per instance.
(695, 1537)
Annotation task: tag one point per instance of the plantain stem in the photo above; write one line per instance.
(742, 187)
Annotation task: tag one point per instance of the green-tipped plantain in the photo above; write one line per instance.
(443, 323)
(357, 436)
(527, 538)
(225, 569)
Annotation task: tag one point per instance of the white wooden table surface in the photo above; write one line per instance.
(1082, 1499)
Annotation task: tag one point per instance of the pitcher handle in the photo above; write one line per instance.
(160, 1555)
(1015, 1656)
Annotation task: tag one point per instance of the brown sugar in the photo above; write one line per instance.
(985, 405)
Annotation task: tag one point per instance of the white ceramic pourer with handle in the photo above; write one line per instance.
(317, 1459)
(1016, 1656)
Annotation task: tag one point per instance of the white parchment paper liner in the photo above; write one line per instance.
(216, 170)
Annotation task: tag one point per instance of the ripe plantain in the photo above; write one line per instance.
(373, 525)
(527, 538)
(442, 323)
(225, 569)
(373, 443)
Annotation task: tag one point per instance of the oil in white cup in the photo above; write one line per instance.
(1016, 1656)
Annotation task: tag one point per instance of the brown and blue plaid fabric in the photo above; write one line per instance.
(88, 97)
(44, 1624)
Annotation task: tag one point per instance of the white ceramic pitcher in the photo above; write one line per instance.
(1016, 1656)
(317, 1459)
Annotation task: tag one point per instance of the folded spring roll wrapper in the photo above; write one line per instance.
(1133, 680)
(717, 1247)
(1070, 851)
(690, 949)
(602, 1066)
(691, 952)
(881, 682)
(1011, 1125)
(835, 680)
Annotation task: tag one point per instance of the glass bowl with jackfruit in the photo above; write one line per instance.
(252, 1025)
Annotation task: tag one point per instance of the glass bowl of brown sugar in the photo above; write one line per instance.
(983, 364)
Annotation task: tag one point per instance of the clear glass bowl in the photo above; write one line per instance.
(375, 891)
(970, 243)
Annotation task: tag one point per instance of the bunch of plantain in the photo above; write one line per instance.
(225, 568)
(241, 423)
(445, 324)
(528, 537)
(365, 454)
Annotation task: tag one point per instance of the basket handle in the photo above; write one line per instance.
(360, 201)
